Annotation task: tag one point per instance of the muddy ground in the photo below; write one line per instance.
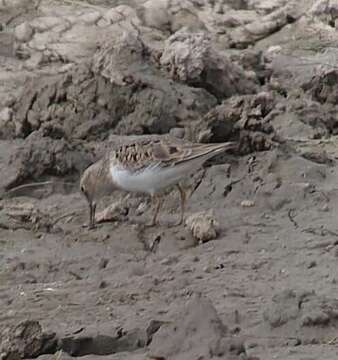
(76, 75)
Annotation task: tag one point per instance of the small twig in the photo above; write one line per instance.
(292, 217)
(198, 183)
(37, 184)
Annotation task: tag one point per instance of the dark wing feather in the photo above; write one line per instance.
(139, 152)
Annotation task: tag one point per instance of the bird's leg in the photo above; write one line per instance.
(157, 201)
(92, 208)
(183, 201)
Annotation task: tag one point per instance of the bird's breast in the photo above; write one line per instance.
(149, 180)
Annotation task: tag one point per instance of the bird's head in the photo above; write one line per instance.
(94, 183)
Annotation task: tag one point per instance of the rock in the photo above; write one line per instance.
(123, 59)
(203, 225)
(191, 58)
(26, 340)
(195, 333)
(247, 117)
(245, 35)
(156, 14)
(247, 203)
(323, 87)
(23, 32)
(93, 342)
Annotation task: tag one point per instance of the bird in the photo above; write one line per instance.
(146, 164)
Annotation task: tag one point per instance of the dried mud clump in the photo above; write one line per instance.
(124, 95)
(323, 87)
(247, 117)
(191, 58)
(203, 226)
(25, 340)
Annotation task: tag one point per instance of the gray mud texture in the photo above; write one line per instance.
(252, 274)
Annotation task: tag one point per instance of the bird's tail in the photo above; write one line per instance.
(207, 151)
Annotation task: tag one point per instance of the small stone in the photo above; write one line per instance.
(23, 32)
(247, 203)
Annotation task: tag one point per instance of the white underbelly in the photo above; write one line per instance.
(150, 180)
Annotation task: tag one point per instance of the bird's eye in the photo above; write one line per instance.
(82, 189)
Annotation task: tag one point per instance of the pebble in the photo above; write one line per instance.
(247, 203)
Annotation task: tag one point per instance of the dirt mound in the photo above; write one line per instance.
(39, 156)
(197, 332)
(191, 58)
(80, 105)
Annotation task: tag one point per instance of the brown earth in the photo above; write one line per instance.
(253, 272)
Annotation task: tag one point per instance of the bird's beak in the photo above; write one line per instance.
(92, 208)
